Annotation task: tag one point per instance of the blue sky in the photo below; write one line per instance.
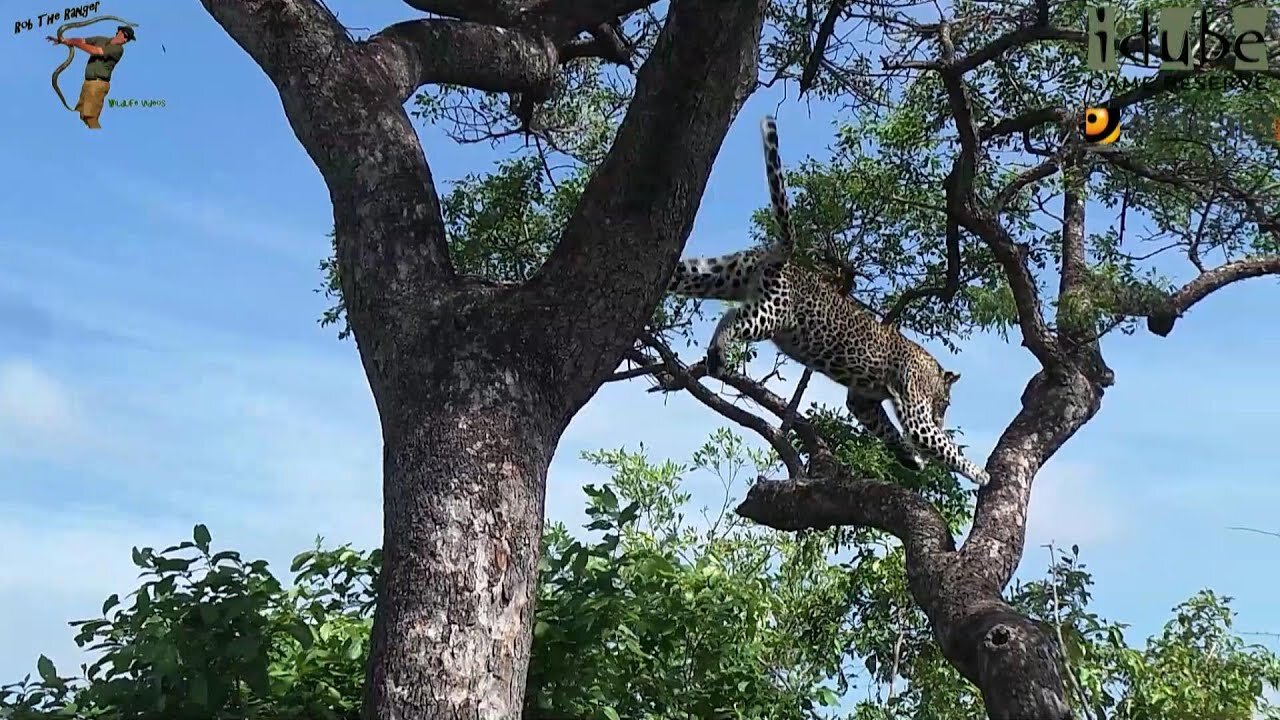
(160, 363)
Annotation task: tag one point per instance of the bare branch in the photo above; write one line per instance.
(483, 57)
(1260, 532)
(821, 504)
(793, 407)
(1028, 177)
(638, 207)
(636, 372)
(681, 378)
(828, 26)
(1035, 334)
(1161, 319)
(364, 146)
(1023, 123)
(1016, 38)
(821, 460)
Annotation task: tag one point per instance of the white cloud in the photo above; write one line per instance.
(37, 413)
(60, 565)
(1071, 505)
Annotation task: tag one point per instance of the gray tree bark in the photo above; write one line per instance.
(475, 384)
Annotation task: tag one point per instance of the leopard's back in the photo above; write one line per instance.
(832, 334)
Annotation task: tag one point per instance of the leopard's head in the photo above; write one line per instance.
(942, 395)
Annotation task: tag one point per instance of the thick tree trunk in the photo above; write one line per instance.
(1008, 657)
(475, 383)
(1013, 661)
(464, 480)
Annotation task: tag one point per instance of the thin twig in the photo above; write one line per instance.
(1255, 530)
(794, 405)
(1076, 685)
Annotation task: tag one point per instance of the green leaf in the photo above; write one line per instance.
(299, 560)
(48, 673)
(201, 536)
(302, 633)
(199, 691)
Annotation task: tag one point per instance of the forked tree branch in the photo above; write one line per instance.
(637, 208)
(1164, 314)
(821, 495)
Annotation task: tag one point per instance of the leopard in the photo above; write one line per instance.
(823, 328)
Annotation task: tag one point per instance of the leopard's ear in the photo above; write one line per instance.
(949, 377)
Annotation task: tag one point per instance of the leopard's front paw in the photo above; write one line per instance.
(909, 458)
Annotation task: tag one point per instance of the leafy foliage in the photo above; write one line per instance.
(210, 635)
(661, 618)
(657, 610)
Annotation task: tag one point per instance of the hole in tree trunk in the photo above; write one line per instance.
(999, 635)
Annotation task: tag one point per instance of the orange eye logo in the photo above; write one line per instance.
(1100, 125)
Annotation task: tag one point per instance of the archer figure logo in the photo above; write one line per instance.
(104, 53)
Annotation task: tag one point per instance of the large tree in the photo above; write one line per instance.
(474, 382)
(967, 211)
